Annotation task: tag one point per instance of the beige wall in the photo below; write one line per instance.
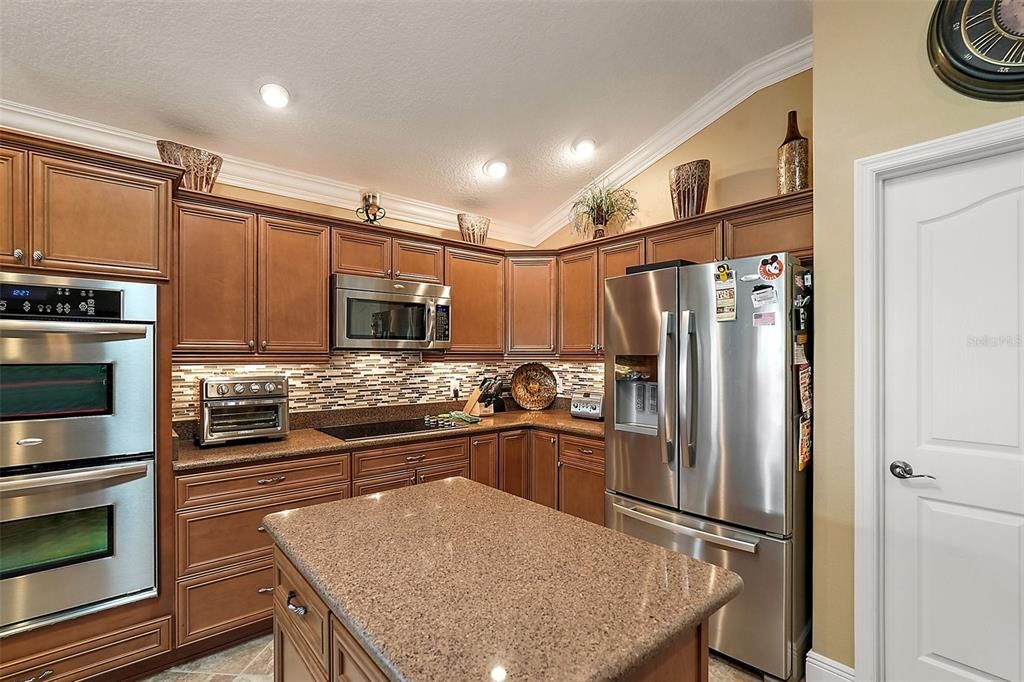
(874, 91)
(742, 147)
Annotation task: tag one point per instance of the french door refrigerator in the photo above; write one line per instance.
(702, 429)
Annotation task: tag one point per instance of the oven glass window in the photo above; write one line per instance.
(55, 391)
(40, 543)
(368, 319)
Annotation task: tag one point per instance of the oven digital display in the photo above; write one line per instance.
(47, 301)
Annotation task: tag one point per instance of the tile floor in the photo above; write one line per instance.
(253, 661)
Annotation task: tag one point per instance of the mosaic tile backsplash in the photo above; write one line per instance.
(366, 379)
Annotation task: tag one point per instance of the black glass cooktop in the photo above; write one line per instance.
(378, 429)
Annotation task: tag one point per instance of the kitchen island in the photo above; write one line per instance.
(453, 580)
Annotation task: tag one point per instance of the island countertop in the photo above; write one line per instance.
(451, 579)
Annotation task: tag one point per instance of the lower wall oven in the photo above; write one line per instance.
(75, 540)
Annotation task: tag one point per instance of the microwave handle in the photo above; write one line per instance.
(38, 327)
(23, 483)
(431, 319)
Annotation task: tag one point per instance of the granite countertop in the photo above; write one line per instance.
(310, 441)
(450, 579)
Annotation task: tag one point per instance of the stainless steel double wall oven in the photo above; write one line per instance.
(77, 447)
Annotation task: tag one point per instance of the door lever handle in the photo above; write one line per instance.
(903, 470)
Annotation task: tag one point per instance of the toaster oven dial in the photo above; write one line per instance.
(239, 388)
(222, 389)
(255, 388)
(268, 387)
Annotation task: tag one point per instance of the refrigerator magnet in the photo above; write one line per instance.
(725, 294)
(763, 295)
(771, 268)
(764, 319)
(805, 442)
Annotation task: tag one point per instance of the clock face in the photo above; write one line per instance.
(977, 47)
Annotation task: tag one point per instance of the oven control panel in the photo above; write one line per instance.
(443, 324)
(38, 300)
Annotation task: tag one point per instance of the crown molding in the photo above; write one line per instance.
(770, 69)
(239, 172)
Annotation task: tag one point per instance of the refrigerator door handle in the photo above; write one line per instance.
(666, 432)
(720, 540)
(686, 389)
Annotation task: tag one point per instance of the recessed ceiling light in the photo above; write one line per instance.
(495, 169)
(274, 95)
(583, 148)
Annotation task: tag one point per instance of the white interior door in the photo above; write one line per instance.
(953, 574)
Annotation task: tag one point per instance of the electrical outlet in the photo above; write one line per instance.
(453, 388)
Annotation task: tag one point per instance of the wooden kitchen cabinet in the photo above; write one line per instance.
(215, 284)
(543, 468)
(349, 661)
(514, 463)
(292, 663)
(789, 227)
(477, 280)
(417, 261)
(532, 304)
(577, 295)
(378, 484)
(581, 478)
(360, 253)
(218, 602)
(612, 261)
(483, 459)
(700, 243)
(14, 242)
(92, 218)
(294, 269)
(442, 471)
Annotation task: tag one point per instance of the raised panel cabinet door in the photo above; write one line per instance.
(702, 243)
(95, 219)
(514, 463)
(543, 468)
(581, 488)
(218, 602)
(771, 230)
(477, 280)
(417, 261)
(358, 253)
(292, 660)
(14, 207)
(215, 274)
(378, 484)
(349, 660)
(483, 459)
(294, 269)
(577, 295)
(612, 261)
(532, 304)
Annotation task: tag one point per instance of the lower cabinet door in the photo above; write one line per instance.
(292, 662)
(379, 484)
(349, 661)
(216, 602)
(544, 468)
(442, 471)
(581, 488)
(483, 459)
(514, 463)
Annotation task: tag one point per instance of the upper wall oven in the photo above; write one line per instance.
(380, 314)
(77, 368)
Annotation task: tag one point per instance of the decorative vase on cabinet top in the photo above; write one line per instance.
(688, 185)
(793, 171)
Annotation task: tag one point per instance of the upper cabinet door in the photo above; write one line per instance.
(612, 261)
(532, 303)
(417, 261)
(790, 228)
(95, 219)
(477, 280)
(701, 243)
(14, 207)
(577, 294)
(357, 253)
(294, 268)
(215, 279)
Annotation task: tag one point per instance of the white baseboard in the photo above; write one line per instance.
(822, 669)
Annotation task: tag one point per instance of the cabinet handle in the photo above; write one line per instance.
(261, 529)
(252, 344)
(413, 479)
(37, 256)
(263, 345)
(586, 451)
(559, 462)
(264, 590)
(271, 481)
(18, 255)
(40, 677)
(552, 440)
(415, 458)
(297, 610)
(389, 272)
(476, 443)
(398, 273)
(593, 347)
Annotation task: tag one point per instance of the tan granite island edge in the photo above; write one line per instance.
(446, 580)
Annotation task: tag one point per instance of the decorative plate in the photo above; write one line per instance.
(534, 386)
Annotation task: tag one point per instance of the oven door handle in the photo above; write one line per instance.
(38, 327)
(34, 481)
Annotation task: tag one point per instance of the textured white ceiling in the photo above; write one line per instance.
(409, 97)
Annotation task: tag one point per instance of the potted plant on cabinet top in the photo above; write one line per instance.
(597, 206)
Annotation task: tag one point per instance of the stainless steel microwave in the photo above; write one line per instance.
(383, 314)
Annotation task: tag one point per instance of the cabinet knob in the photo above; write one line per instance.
(37, 256)
(389, 272)
(552, 440)
(252, 344)
(476, 443)
(18, 255)
(398, 273)
(263, 345)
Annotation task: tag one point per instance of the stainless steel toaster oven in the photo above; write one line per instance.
(242, 407)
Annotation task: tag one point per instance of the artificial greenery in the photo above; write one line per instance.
(598, 205)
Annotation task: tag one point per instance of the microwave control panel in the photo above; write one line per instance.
(37, 300)
(443, 324)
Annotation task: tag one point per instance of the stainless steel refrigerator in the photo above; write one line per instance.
(702, 426)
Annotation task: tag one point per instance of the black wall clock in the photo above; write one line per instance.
(977, 47)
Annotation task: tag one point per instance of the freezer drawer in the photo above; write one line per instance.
(756, 627)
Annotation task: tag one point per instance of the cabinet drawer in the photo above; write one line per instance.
(216, 602)
(349, 661)
(231, 533)
(442, 471)
(378, 484)
(196, 490)
(309, 617)
(387, 460)
(95, 656)
(574, 446)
